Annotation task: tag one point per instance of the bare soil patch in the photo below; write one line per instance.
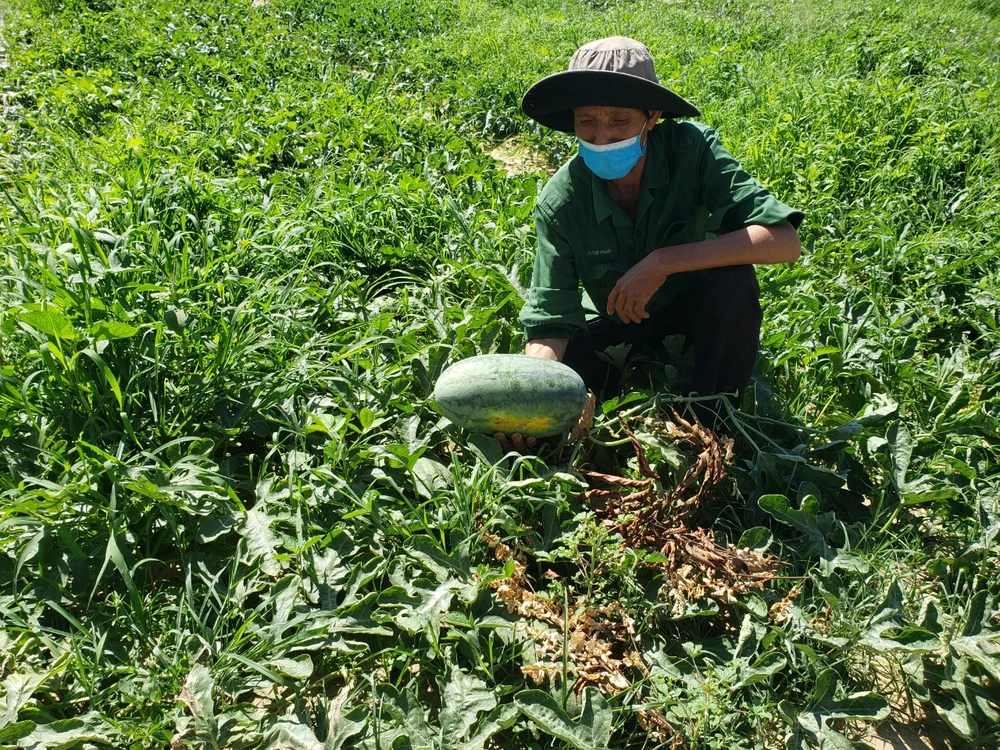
(895, 735)
(517, 158)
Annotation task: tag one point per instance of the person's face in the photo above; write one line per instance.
(603, 125)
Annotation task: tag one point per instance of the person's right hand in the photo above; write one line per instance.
(515, 442)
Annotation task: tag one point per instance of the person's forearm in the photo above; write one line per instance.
(755, 245)
(547, 348)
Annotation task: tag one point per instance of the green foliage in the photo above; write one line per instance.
(241, 244)
(591, 731)
(990, 7)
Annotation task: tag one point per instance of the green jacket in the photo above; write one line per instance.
(692, 189)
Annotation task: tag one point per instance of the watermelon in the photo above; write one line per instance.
(511, 393)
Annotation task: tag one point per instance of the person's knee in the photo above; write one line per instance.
(733, 291)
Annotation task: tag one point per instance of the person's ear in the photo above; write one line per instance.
(652, 117)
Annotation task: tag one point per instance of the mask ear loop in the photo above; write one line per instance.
(645, 129)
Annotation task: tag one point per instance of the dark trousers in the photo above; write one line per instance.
(720, 318)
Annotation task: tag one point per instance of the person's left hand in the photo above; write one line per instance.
(634, 290)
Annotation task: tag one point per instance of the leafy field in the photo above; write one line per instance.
(241, 243)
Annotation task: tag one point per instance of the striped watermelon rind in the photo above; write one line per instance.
(511, 393)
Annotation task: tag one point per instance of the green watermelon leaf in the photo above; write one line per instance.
(112, 330)
(591, 731)
(430, 477)
(50, 323)
(197, 696)
(463, 697)
(13, 732)
(261, 541)
(299, 668)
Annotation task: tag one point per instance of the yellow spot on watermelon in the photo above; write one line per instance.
(512, 423)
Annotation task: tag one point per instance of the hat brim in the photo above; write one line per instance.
(551, 101)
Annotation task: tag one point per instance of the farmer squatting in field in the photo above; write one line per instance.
(656, 218)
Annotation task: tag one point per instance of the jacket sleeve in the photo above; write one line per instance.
(554, 308)
(734, 198)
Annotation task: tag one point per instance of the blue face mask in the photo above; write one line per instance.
(612, 161)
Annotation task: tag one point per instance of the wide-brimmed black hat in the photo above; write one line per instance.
(612, 72)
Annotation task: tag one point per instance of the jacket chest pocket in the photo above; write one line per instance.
(600, 278)
(601, 271)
